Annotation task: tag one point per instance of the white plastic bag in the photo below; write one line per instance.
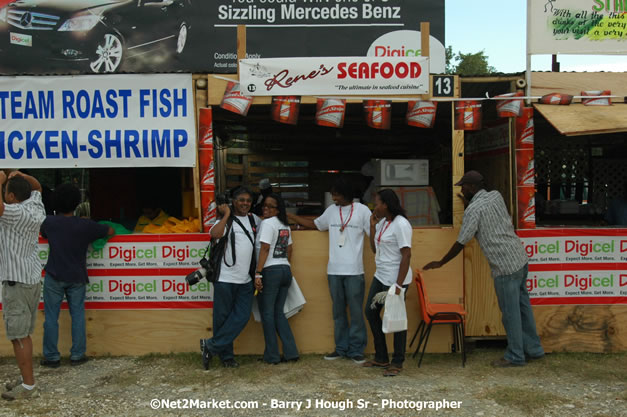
(293, 304)
(394, 313)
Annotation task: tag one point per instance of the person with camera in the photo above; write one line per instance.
(346, 222)
(233, 289)
(273, 279)
(21, 214)
(66, 273)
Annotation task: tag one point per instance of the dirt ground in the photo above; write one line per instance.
(562, 384)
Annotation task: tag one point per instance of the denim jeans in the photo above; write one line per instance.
(232, 305)
(53, 296)
(517, 317)
(276, 282)
(348, 290)
(374, 318)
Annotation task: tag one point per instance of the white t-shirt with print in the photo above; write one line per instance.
(393, 237)
(278, 236)
(347, 259)
(244, 251)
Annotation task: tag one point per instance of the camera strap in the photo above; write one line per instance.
(253, 226)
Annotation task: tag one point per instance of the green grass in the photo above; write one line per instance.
(528, 400)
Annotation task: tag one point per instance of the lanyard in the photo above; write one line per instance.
(347, 221)
(383, 229)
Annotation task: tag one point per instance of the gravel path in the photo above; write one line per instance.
(560, 385)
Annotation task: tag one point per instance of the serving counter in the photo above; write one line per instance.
(138, 301)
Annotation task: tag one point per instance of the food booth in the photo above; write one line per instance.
(139, 300)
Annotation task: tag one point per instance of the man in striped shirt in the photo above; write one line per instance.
(21, 214)
(487, 219)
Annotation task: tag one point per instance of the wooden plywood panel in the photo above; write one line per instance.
(577, 119)
(574, 83)
(582, 328)
(143, 331)
(484, 316)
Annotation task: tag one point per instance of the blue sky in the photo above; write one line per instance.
(499, 29)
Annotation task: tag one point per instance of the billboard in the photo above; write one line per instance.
(576, 27)
(105, 36)
(122, 120)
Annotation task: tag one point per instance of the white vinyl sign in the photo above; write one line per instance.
(97, 121)
(576, 27)
(335, 76)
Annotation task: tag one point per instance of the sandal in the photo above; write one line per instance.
(392, 371)
(375, 364)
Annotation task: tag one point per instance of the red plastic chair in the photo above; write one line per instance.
(434, 314)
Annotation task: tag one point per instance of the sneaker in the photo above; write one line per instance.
(536, 358)
(359, 359)
(12, 384)
(206, 354)
(50, 364)
(332, 356)
(19, 392)
(504, 363)
(76, 362)
(230, 363)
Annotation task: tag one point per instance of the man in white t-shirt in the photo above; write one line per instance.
(233, 291)
(346, 222)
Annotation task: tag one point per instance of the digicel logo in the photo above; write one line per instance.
(368, 70)
(386, 50)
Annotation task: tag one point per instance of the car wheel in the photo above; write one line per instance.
(181, 39)
(108, 55)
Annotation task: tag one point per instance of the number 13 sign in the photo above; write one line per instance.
(443, 86)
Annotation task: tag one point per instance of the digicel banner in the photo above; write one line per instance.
(576, 266)
(335, 76)
(144, 272)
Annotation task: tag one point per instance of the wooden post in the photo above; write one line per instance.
(457, 160)
(424, 38)
(241, 45)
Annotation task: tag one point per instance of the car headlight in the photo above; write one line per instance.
(80, 23)
(3, 14)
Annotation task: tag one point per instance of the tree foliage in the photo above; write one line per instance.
(467, 64)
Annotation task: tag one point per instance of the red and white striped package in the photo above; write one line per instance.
(598, 100)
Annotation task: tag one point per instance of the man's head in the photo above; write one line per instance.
(66, 198)
(342, 192)
(471, 182)
(18, 189)
(242, 201)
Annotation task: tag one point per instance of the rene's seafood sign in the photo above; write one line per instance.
(335, 76)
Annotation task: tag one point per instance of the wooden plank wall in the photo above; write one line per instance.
(144, 331)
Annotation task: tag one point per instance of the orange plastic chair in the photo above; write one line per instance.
(434, 314)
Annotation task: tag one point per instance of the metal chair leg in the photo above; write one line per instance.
(426, 341)
(420, 330)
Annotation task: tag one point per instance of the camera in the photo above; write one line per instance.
(222, 198)
(200, 273)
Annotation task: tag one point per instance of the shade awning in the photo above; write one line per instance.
(577, 119)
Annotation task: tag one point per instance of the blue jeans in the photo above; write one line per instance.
(53, 296)
(232, 305)
(348, 290)
(374, 319)
(276, 282)
(517, 316)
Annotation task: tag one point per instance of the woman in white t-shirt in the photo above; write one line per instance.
(273, 278)
(390, 240)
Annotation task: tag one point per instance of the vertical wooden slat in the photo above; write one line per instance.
(457, 161)
(241, 44)
(424, 38)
